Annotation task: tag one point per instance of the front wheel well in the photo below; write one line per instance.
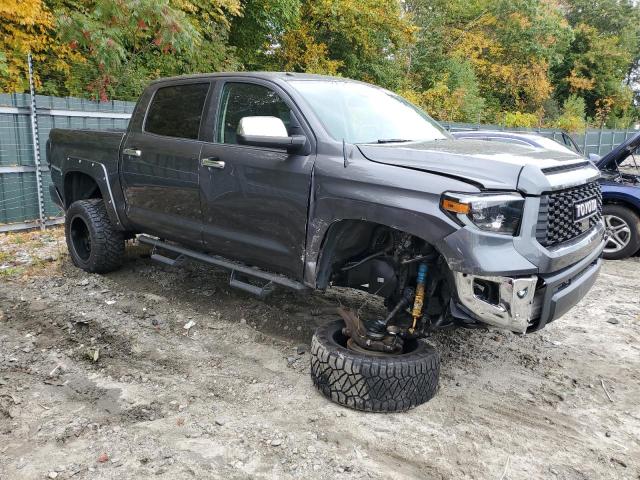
(79, 186)
(385, 261)
(622, 203)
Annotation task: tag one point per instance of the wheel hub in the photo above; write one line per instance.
(617, 233)
(363, 341)
(80, 238)
(352, 345)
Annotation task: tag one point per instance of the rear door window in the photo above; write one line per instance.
(176, 111)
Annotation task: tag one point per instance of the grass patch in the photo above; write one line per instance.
(11, 271)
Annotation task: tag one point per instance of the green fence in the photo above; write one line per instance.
(20, 195)
(23, 195)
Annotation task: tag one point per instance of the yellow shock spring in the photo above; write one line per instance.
(418, 302)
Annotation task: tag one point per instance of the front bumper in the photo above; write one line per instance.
(527, 303)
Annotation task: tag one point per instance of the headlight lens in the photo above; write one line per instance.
(498, 212)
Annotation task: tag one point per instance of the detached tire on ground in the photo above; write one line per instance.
(94, 244)
(372, 383)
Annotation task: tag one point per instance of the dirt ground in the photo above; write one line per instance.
(100, 379)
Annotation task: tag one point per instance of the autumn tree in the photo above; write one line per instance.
(259, 29)
(123, 44)
(362, 39)
(521, 62)
(604, 51)
(28, 26)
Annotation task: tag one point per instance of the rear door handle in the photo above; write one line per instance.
(212, 162)
(132, 152)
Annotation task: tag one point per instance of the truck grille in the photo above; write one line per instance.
(555, 219)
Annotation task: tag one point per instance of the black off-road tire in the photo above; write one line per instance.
(372, 383)
(105, 252)
(633, 222)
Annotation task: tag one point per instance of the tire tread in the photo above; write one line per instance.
(372, 383)
(107, 243)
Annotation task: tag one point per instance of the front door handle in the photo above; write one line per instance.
(132, 152)
(212, 162)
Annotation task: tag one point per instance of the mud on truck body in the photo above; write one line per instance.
(308, 182)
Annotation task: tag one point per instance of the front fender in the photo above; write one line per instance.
(397, 197)
(621, 194)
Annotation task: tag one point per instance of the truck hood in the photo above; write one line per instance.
(618, 155)
(488, 165)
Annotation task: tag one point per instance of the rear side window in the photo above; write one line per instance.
(176, 111)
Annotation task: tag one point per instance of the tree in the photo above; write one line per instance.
(573, 115)
(603, 53)
(512, 46)
(260, 28)
(362, 39)
(27, 26)
(507, 49)
(455, 97)
(461, 60)
(123, 44)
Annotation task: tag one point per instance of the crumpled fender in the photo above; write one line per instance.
(388, 195)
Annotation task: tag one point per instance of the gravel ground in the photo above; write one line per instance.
(99, 378)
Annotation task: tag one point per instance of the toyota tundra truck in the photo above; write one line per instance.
(307, 182)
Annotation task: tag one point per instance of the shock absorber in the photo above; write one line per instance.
(418, 302)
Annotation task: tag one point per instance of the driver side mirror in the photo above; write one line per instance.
(268, 132)
(594, 157)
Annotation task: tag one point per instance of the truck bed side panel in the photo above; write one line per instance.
(94, 153)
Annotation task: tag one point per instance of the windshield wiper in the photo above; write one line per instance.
(393, 140)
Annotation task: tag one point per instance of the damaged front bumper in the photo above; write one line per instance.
(503, 302)
(528, 303)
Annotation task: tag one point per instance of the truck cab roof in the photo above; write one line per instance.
(285, 76)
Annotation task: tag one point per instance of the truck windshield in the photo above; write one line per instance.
(359, 113)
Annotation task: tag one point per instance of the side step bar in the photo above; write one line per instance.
(257, 290)
(172, 262)
(238, 270)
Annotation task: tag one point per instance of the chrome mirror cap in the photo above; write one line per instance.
(262, 127)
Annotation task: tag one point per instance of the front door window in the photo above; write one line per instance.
(248, 100)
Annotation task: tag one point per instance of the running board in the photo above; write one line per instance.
(261, 291)
(235, 268)
(172, 262)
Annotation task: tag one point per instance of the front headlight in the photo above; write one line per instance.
(498, 212)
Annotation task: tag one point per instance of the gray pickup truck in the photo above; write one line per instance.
(306, 182)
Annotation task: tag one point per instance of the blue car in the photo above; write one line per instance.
(620, 184)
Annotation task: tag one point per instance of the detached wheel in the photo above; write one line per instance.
(373, 383)
(94, 244)
(622, 227)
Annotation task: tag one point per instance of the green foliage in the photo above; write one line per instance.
(261, 27)
(520, 119)
(514, 61)
(455, 98)
(605, 51)
(573, 115)
(4, 67)
(115, 33)
(362, 39)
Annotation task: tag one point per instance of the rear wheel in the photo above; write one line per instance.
(622, 227)
(374, 382)
(94, 244)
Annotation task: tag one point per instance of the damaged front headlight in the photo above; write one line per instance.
(497, 212)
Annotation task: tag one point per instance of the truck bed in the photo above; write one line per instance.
(97, 145)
